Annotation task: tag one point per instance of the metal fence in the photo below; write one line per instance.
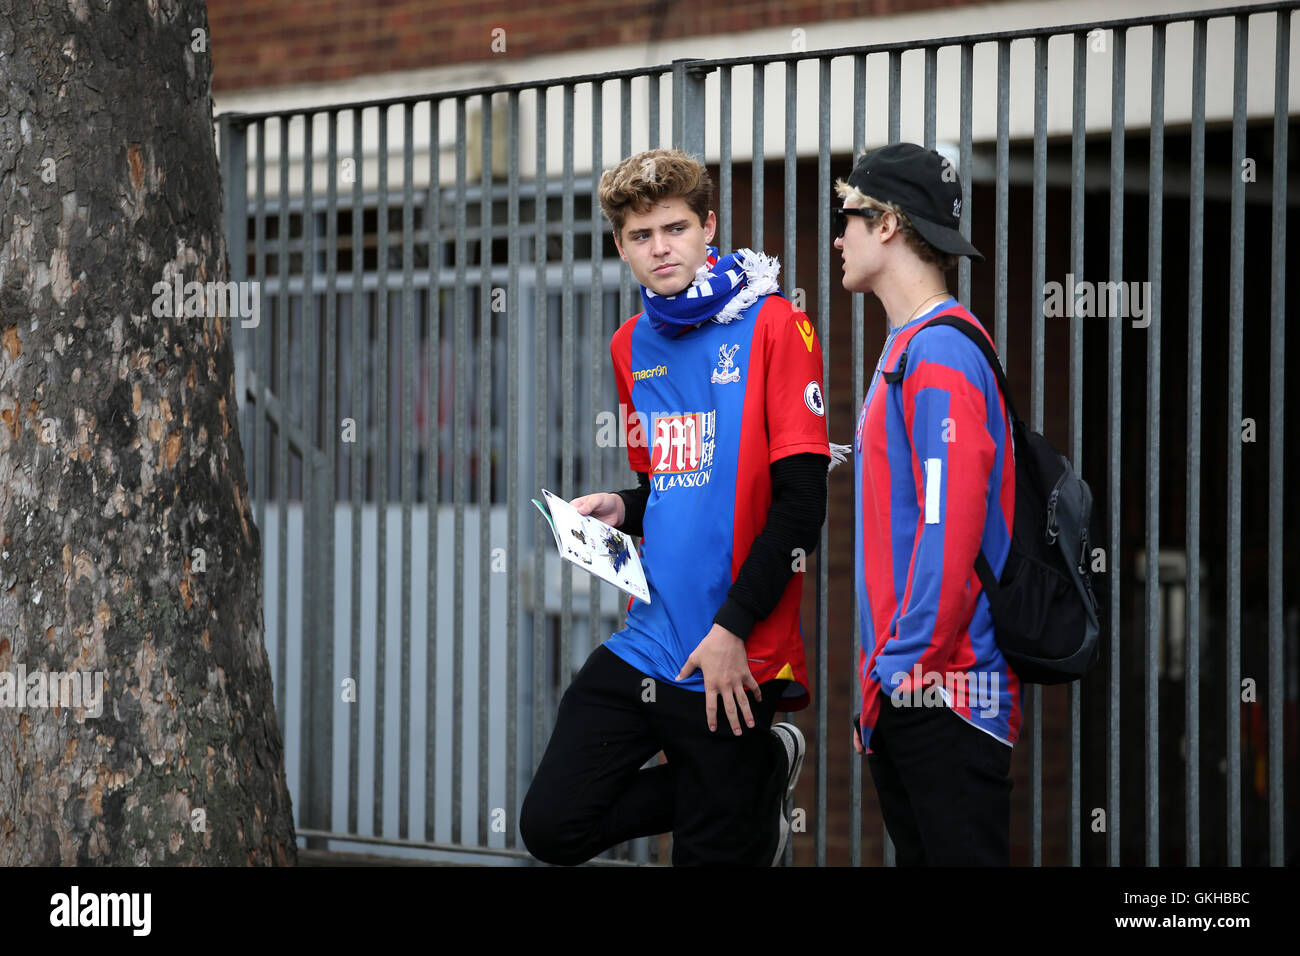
(438, 299)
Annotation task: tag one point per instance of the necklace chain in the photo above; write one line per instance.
(923, 302)
(890, 337)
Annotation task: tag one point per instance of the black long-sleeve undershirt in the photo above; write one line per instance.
(794, 521)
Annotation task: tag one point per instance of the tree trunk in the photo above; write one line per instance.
(128, 551)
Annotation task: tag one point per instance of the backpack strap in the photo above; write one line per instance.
(987, 578)
(953, 320)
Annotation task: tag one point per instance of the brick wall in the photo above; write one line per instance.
(261, 43)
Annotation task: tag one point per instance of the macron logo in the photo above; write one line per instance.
(102, 909)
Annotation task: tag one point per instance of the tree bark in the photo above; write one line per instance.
(127, 546)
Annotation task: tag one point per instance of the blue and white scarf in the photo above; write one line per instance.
(723, 288)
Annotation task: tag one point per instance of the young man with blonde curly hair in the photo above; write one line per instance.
(721, 379)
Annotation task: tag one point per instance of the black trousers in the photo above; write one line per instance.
(718, 793)
(944, 787)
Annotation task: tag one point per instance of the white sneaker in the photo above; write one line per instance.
(792, 740)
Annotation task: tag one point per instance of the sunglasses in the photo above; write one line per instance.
(842, 218)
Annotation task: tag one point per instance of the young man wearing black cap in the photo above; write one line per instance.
(934, 483)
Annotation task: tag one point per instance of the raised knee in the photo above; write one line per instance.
(542, 833)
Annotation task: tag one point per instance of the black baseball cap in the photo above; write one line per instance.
(912, 177)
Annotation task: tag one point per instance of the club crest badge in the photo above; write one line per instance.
(726, 372)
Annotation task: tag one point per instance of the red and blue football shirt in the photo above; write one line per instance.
(708, 411)
(935, 483)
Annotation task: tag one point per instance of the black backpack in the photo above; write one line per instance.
(1045, 613)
